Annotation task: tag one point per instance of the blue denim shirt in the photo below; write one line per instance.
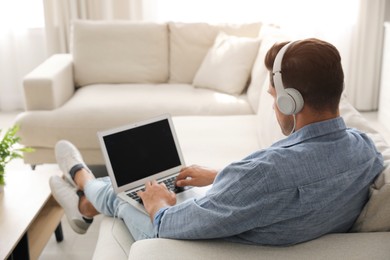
(314, 182)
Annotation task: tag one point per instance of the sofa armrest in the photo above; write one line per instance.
(333, 246)
(50, 84)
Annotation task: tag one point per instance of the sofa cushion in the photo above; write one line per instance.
(190, 42)
(227, 65)
(376, 213)
(97, 107)
(119, 52)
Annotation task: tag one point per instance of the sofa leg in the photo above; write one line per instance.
(33, 166)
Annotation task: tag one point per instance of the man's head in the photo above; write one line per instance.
(313, 68)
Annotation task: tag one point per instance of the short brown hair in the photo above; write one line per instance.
(313, 67)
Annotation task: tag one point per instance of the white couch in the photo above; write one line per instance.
(121, 72)
(74, 96)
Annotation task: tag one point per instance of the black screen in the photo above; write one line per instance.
(141, 151)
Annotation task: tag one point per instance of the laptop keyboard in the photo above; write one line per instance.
(170, 183)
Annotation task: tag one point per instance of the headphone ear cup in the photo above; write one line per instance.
(285, 103)
(298, 99)
(290, 101)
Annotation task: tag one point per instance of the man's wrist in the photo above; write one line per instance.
(155, 209)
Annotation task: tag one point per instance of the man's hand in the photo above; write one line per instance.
(155, 197)
(195, 175)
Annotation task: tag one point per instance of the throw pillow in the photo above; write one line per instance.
(376, 213)
(190, 42)
(227, 65)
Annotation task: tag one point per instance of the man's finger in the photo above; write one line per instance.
(182, 183)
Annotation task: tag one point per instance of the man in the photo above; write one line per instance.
(314, 182)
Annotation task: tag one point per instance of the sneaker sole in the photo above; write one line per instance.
(71, 222)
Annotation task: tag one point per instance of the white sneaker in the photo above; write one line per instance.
(67, 156)
(65, 195)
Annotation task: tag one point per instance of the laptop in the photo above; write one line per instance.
(144, 151)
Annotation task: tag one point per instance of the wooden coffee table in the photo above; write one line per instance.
(28, 213)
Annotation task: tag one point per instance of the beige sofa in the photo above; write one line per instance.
(121, 72)
(105, 83)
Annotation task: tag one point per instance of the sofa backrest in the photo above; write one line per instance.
(119, 52)
(141, 52)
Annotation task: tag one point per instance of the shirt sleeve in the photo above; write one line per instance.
(157, 220)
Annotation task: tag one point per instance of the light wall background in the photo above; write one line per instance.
(32, 30)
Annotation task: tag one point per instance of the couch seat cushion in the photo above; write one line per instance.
(97, 107)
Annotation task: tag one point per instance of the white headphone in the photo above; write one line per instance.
(288, 100)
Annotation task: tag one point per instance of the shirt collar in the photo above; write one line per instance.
(313, 130)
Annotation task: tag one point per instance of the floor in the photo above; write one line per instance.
(75, 246)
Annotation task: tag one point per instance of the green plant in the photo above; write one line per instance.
(9, 149)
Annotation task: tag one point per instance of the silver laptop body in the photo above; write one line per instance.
(140, 152)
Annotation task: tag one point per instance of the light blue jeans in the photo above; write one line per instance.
(101, 194)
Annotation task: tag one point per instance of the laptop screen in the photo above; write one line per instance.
(141, 151)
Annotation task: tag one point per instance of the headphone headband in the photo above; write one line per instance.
(279, 57)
